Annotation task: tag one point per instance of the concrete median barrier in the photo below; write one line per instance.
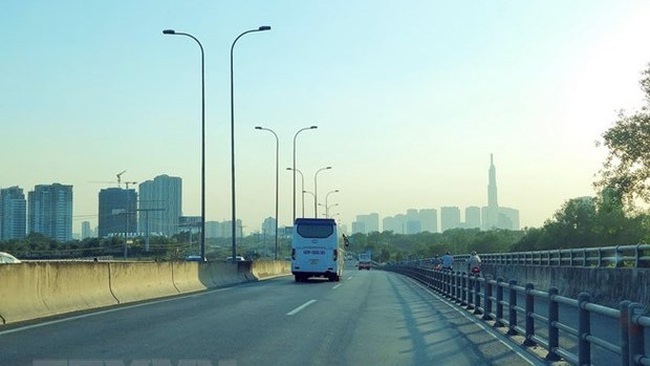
(36, 290)
(270, 269)
(136, 281)
(219, 274)
(186, 277)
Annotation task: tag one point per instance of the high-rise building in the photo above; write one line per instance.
(213, 229)
(473, 217)
(50, 211)
(117, 212)
(491, 211)
(13, 213)
(160, 205)
(508, 218)
(268, 226)
(396, 224)
(366, 223)
(449, 218)
(86, 231)
(429, 220)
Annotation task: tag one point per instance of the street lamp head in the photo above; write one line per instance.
(289, 168)
(328, 167)
(264, 28)
(313, 127)
(169, 31)
(258, 127)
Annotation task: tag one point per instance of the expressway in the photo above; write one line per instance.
(369, 318)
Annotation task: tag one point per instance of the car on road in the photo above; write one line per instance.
(194, 258)
(237, 259)
(6, 258)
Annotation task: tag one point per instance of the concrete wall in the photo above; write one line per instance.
(40, 289)
(607, 286)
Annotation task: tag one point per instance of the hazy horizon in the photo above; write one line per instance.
(410, 99)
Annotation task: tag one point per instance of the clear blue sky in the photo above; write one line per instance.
(410, 97)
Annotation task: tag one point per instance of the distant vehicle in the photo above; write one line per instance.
(364, 261)
(6, 258)
(315, 250)
(194, 258)
(238, 258)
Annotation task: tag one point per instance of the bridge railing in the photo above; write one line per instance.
(501, 302)
(637, 256)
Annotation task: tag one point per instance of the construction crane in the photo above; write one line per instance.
(119, 178)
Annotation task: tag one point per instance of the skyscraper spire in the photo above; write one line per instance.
(492, 185)
(491, 218)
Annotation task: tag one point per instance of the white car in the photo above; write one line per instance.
(8, 258)
(237, 259)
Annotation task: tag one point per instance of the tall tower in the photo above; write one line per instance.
(13, 213)
(50, 211)
(491, 217)
(160, 205)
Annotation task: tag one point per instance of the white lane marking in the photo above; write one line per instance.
(337, 286)
(351, 277)
(524, 356)
(108, 311)
(301, 307)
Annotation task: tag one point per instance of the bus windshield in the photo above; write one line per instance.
(315, 231)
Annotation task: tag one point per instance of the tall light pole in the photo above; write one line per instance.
(302, 188)
(174, 33)
(326, 197)
(312, 194)
(294, 173)
(316, 188)
(277, 168)
(327, 208)
(232, 135)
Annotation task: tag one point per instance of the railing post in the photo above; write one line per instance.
(459, 288)
(499, 311)
(636, 335)
(618, 257)
(470, 292)
(530, 321)
(487, 294)
(625, 329)
(553, 331)
(463, 290)
(584, 329)
(477, 294)
(512, 313)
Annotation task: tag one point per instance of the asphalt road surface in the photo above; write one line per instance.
(369, 318)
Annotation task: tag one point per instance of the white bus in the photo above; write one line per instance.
(315, 250)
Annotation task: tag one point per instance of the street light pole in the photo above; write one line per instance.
(294, 174)
(312, 194)
(326, 197)
(302, 188)
(277, 167)
(232, 136)
(316, 188)
(173, 32)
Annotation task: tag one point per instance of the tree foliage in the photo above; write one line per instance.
(627, 166)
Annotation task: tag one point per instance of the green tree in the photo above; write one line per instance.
(627, 166)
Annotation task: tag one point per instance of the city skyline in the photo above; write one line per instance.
(409, 99)
(159, 211)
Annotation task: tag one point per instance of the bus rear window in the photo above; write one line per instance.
(315, 231)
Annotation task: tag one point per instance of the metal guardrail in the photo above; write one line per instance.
(637, 256)
(489, 298)
(613, 256)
